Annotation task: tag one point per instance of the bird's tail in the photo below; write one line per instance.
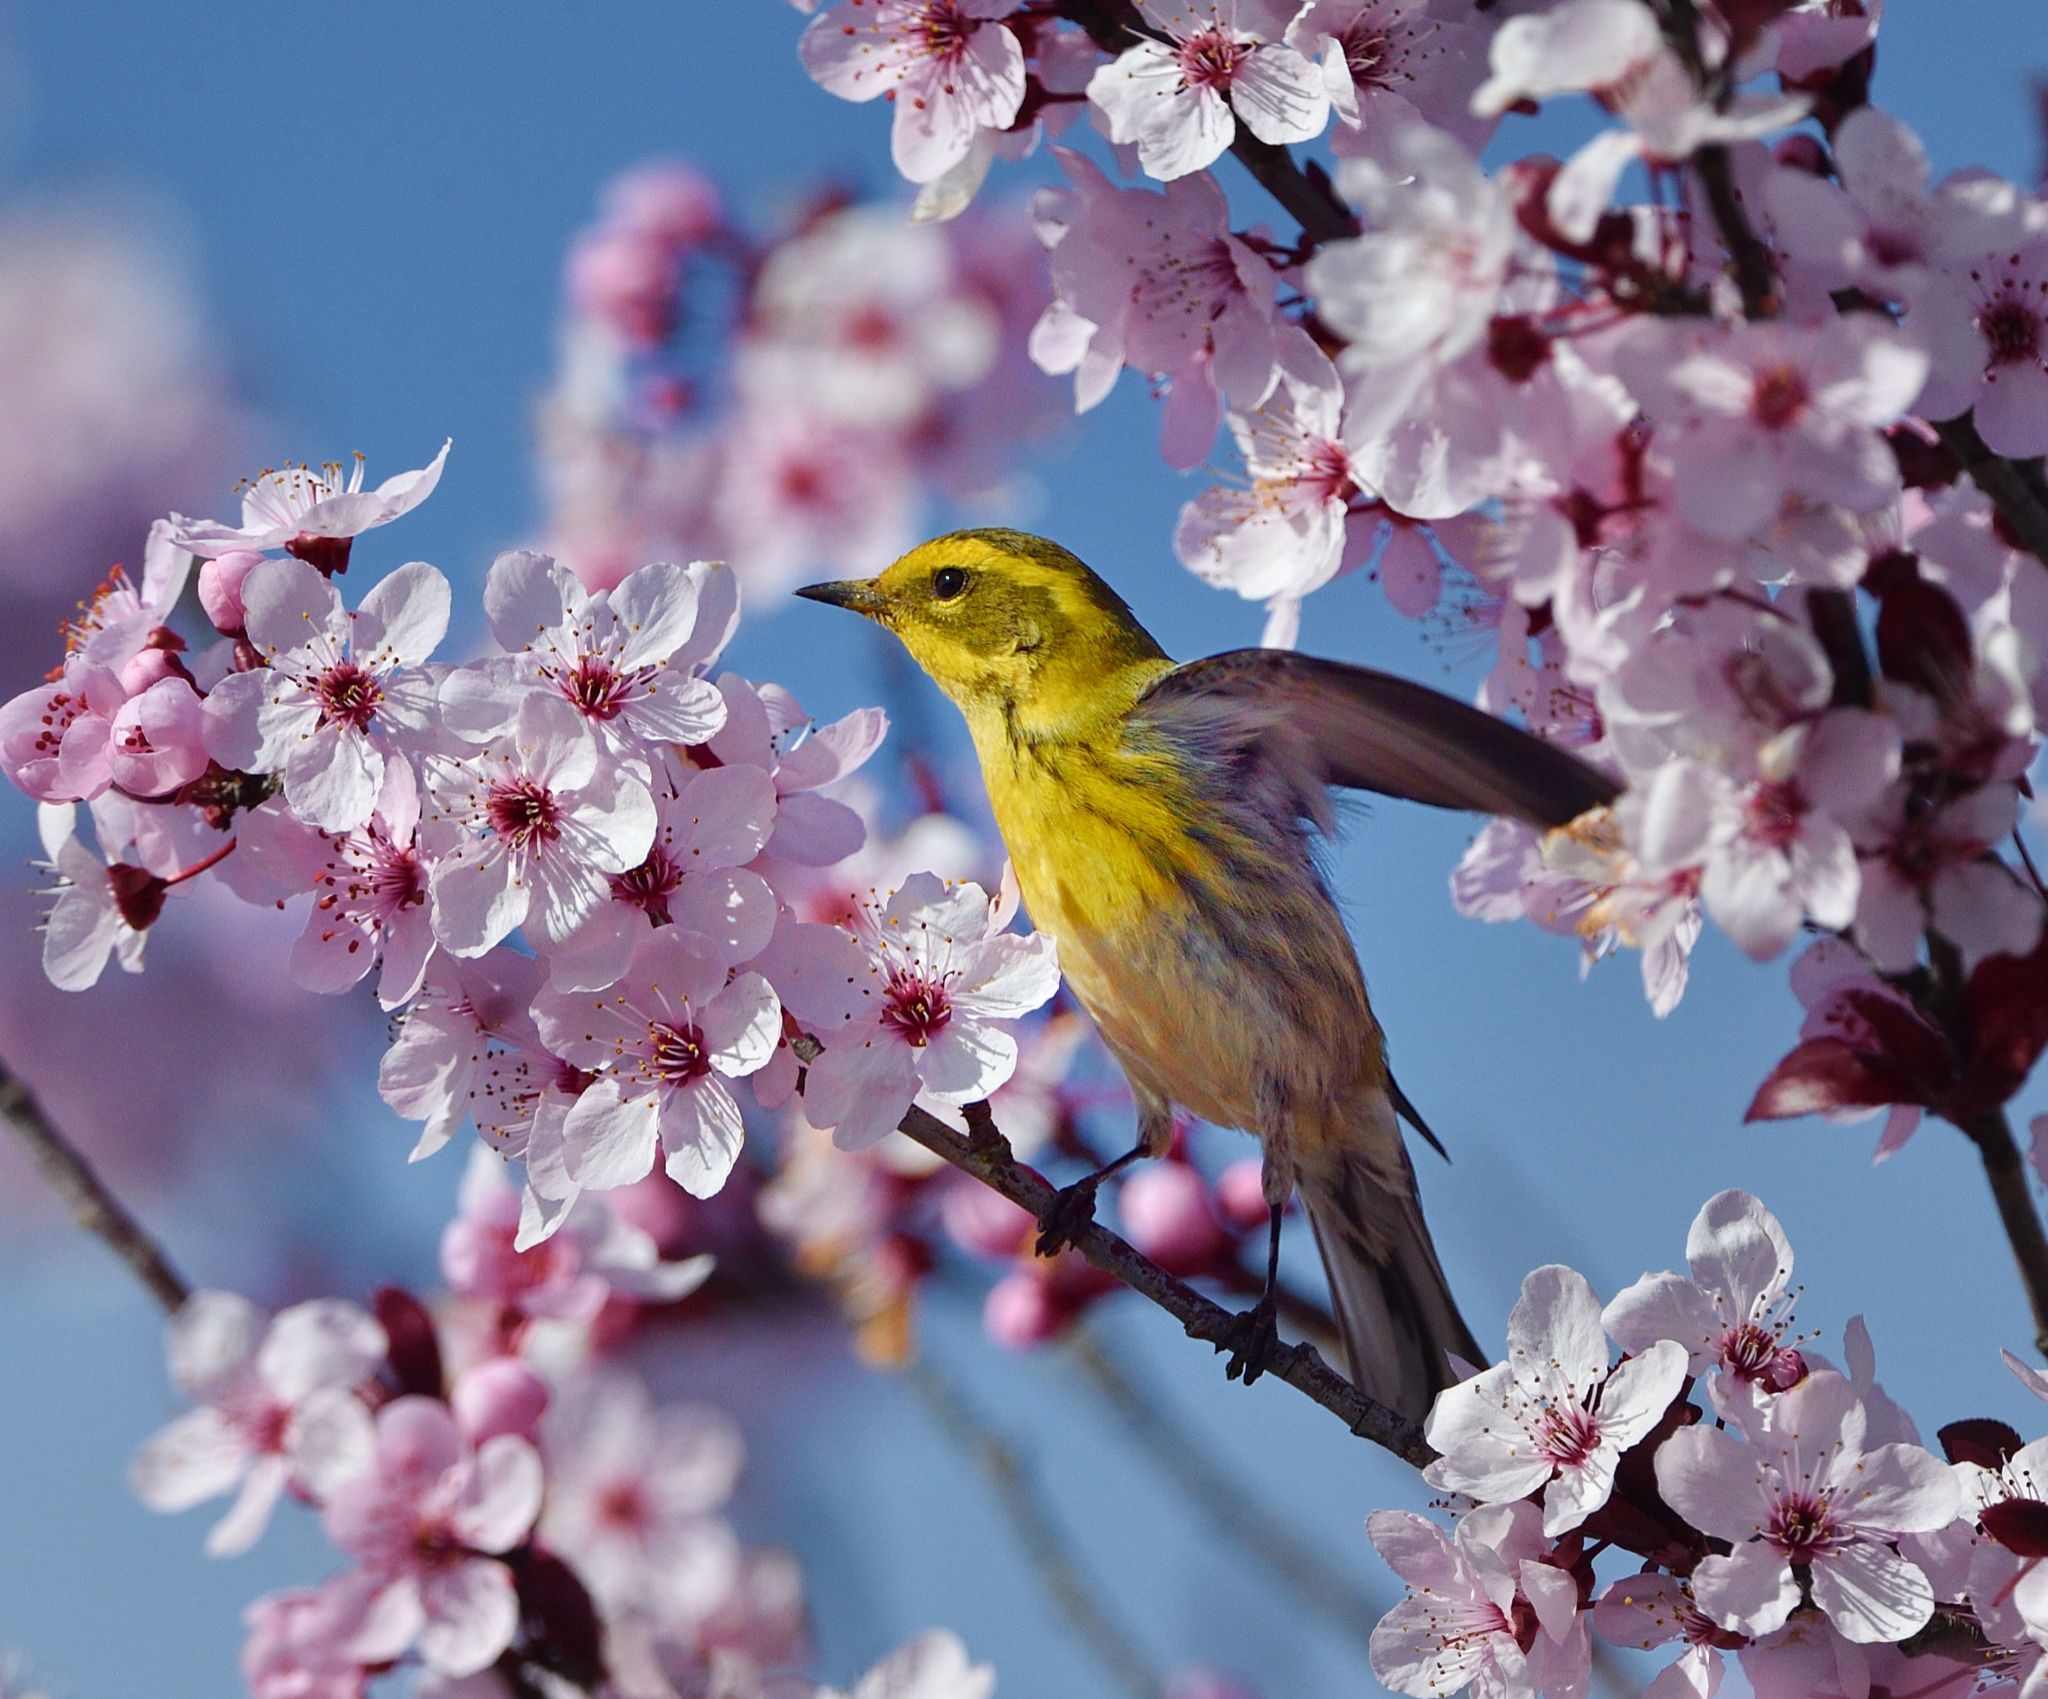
(1399, 1323)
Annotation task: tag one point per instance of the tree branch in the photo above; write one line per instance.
(1991, 1133)
(2017, 491)
(985, 1155)
(1219, 1495)
(1032, 1521)
(85, 1194)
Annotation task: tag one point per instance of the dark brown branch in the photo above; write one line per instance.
(1991, 1133)
(1754, 276)
(1219, 1494)
(1031, 1520)
(2016, 490)
(85, 1194)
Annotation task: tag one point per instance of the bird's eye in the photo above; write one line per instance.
(948, 582)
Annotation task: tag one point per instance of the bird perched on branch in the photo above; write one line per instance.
(1161, 820)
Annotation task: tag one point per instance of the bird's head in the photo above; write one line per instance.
(1007, 622)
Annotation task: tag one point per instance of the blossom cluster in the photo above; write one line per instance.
(1702, 469)
(569, 862)
(783, 401)
(1769, 1504)
(515, 1511)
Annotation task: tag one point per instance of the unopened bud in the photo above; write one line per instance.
(220, 588)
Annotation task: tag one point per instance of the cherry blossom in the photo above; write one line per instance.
(314, 515)
(338, 693)
(1214, 64)
(932, 1666)
(1462, 1623)
(949, 67)
(924, 1013)
(427, 1524)
(1735, 1313)
(530, 830)
(97, 909)
(1643, 1611)
(276, 1408)
(1391, 63)
(666, 1042)
(1804, 1490)
(1988, 332)
(77, 709)
(607, 654)
(1552, 1417)
(466, 1017)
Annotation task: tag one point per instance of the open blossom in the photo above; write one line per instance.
(54, 736)
(607, 653)
(667, 1042)
(338, 694)
(923, 1008)
(1735, 1312)
(1552, 1417)
(1390, 63)
(1483, 1608)
(1642, 1611)
(766, 727)
(529, 830)
(314, 515)
(97, 909)
(277, 1408)
(369, 890)
(1181, 100)
(1804, 1490)
(1936, 868)
(427, 1523)
(933, 1666)
(1988, 330)
(949, 68)
(466, 1015)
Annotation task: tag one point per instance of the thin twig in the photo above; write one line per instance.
(986, 1156)
(85, 1194)
(1032, 1520)
(2015, 490)
(1991, 1133)
(1219, 1494)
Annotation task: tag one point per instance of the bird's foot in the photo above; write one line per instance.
(1071, 1210)
(1252, 1339)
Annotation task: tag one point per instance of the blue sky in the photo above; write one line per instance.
(373, 202)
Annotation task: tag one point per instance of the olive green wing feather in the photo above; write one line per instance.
(1369, 730)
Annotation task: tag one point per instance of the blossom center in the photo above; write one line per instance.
(1366, 55)
(595, 688)
(917, 1008)
(2012, 329)
(676, 1054)
(524, 813)
(1780, 397)
(1802, 1527)
(1210, 60)
(1773, 813)
(941, 31)
(1516, 345)
(1326, 471)
(397, 879)
(649, 886)
(348, 696)
(623, 1506)
(1568, 1434)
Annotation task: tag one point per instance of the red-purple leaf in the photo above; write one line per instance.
(1979, 1440)
(1831, 1073)
(2018, 1524)
(415, 1354)
(559, 1618)
(2008, 1004)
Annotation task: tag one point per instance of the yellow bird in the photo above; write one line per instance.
(1162, 822)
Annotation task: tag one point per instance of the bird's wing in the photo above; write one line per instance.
(1372, 731)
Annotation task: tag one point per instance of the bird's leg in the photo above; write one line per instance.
(1073, 1207)
(1255, 1335)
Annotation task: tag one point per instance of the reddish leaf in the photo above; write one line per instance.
(1979, 1440)
(415, 1354)
(2008, 1004)
(1831, 1073)
(2018, 1524)
(559, 1617)
(1880, 1024)
(1922, 637)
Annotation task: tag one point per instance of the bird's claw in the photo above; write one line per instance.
(1071, 1210)
(1252, 1339)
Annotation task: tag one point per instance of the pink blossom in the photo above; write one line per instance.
(466, 1018)
(1935, 868)
(1391, 63)
(1988, 331)
(97, 909)
(1221, 64)
(1819, 35)
(294, 1649)
(709, 825)
(607, 654)
(1159, 284)
(499, 1395)
(277, 1408)
(54, 736)
(1753, 415)
(1552, 1417)
(1166, 1214)
(927, 1011)
(1805, 1491)
(949, 66)
(766, 727)
(933, 1666)
(312, 514)
(1735, 1313)
(666, 1043)
(1642, 1611)
(123, 616)
(634, 1495)
(530, 829)
(220, 589)
(1469, 1599)
(338, 693)
(427, 1524)
(156, 742)
(369, 890)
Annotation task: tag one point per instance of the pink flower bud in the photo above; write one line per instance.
(155, 744)
(1241, 1194)
(668, 202)
(624, 281)
(1165, 1212)
(984, 1222)
(500, 1396)
(147, 667)
(1020, 1311)
(220, 588)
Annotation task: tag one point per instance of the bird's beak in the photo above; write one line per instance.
(859, 594)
